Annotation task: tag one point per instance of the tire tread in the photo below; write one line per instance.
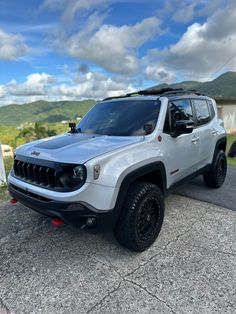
(124, 231)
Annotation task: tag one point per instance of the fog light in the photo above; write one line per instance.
(91, 222)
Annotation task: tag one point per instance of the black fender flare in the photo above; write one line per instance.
(134, 176)
(221, 142)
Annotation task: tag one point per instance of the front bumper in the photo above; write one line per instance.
(73, 213)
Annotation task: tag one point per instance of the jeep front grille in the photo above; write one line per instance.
(36, 174)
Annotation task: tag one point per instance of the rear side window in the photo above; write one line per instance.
(202, 111)
(178, 110)
(212, 111)
(181, 110)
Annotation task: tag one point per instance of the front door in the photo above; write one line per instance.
(182, 152)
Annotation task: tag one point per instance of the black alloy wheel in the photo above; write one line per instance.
(147, 218)
(215, 177)
(141, 218)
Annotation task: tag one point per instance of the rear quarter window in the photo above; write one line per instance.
(203, 114)
(211, 107)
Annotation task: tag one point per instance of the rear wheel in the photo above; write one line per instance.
(142, 217)
(215, 177)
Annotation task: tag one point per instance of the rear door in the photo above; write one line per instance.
(182, 152)
(205, 129)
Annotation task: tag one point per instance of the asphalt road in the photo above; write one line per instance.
(225, 196)
(191, 268)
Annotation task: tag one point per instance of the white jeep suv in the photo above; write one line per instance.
(112, 170)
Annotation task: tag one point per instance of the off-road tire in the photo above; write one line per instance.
(215, 177)
(141, 218)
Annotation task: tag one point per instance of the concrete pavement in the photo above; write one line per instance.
(225, 196)
(191, 268)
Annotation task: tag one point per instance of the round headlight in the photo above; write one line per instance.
(78, 173)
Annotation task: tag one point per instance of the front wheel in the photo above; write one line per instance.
(215, 177)
(142, 217)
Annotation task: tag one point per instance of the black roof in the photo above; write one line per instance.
(159, 92)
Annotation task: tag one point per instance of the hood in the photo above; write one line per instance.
(75, 148)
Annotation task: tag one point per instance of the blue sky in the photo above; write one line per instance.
(76, 49)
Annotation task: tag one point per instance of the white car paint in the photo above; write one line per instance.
(119, 155)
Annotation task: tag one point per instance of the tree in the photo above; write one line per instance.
(36, 132)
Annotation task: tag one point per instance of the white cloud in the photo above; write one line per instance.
(203, 48)
(71, 7)
(2, 91)
(186, 10)
(185, 13)
(83, 68)
(208, 8)
(111, 47)
(35, 84)
(11, 46)
(159, 74)
(92, 85)
(43, 86)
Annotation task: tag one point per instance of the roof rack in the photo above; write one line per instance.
(171, 91)
(159, 92)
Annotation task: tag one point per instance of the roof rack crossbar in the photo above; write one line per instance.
(114, 97)
(189, 91)
(160, 92)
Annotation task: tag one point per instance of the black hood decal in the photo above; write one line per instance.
(65, 140)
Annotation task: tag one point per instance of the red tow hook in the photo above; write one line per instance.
(57, 222)
(13, 201)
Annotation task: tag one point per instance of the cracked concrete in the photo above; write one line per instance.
(191, 268)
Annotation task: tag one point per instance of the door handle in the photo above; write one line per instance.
(195, 139)
(214, 131)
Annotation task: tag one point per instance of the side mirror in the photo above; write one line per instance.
(72, 127)
(148, 128)
(183, 127)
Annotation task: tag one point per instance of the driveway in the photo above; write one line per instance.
(224, 196)
(190, 268)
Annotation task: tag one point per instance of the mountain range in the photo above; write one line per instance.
(43, 111)
(223, 87)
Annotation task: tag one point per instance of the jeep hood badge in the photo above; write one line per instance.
(35, 153)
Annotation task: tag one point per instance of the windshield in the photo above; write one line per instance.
(121, 118)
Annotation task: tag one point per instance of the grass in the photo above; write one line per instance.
(231, 139)
(4, 196)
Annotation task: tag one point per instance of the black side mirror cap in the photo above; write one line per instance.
(148, 128)
(72, 127)
(183, 127)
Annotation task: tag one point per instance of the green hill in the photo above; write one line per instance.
(222, 87)
(44, 111)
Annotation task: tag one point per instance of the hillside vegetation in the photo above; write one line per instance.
(44, 111)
